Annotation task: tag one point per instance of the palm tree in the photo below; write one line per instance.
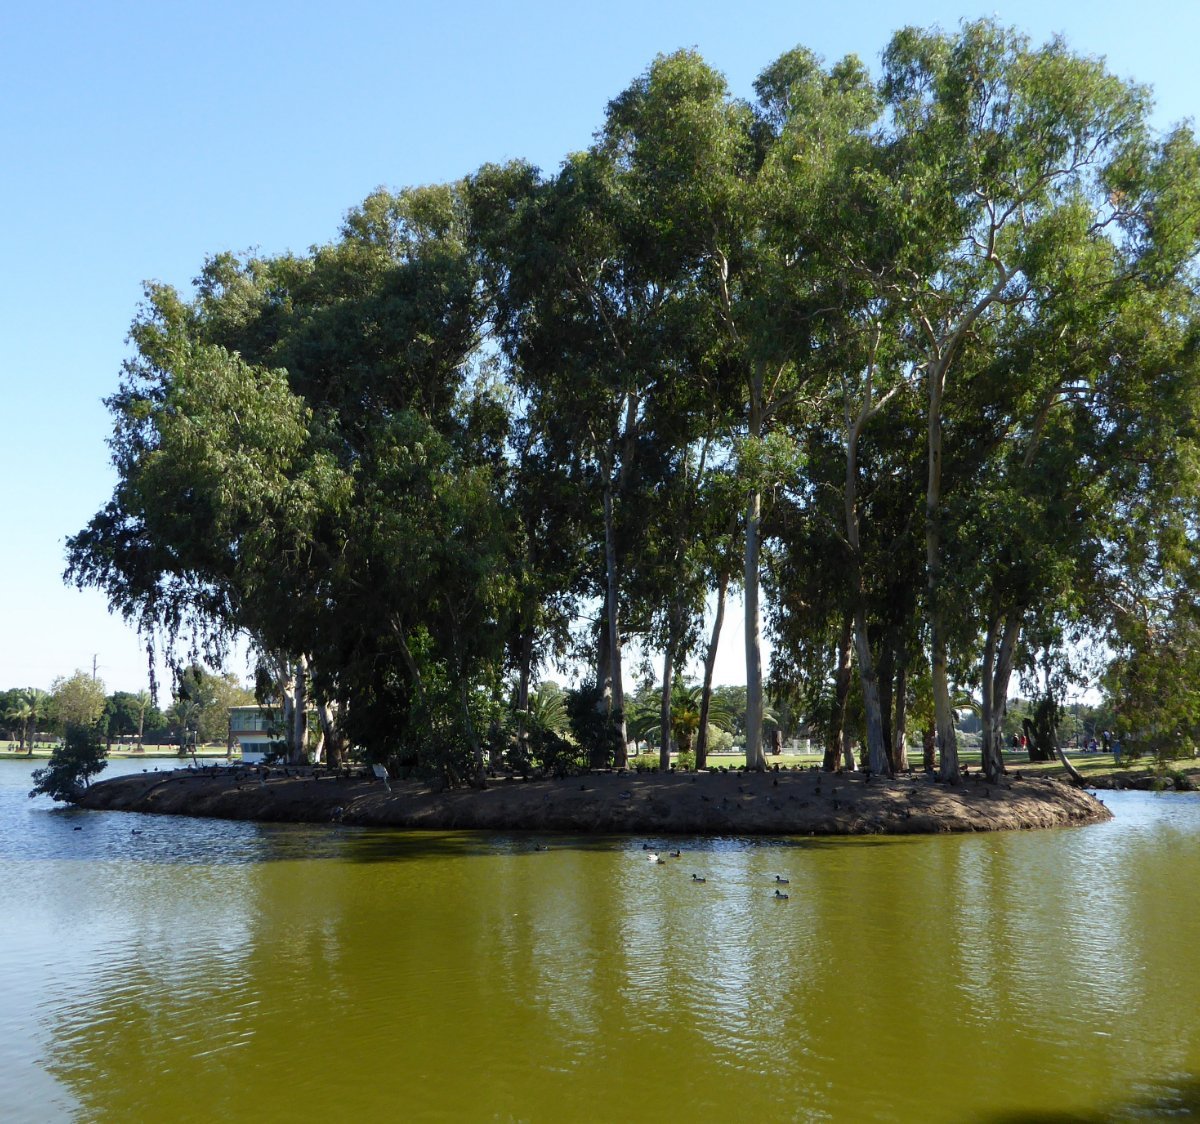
(143, 704)
(20, 711)
(548, 708)
(187, 714)
(39, 707)
(646, 723)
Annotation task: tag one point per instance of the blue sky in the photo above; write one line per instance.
(140, 137)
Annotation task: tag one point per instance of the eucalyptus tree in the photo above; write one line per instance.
(992, 164)
(582, 312)
(718, 534)
(698, 159)
(298, 414)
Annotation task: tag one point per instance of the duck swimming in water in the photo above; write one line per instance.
(780, 879)
(780, 896)
(697, 878)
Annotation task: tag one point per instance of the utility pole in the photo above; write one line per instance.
(95, 657)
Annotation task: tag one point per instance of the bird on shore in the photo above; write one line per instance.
(697, 878)
(780, 896)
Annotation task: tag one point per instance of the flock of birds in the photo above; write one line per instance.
(654, 857)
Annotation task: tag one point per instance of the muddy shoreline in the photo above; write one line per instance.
(797, 802)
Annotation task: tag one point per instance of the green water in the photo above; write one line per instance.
(206, 970)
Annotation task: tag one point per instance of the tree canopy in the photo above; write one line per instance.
(913, 357)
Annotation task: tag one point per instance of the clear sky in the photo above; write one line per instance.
(140, 137)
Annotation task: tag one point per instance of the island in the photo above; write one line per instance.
(787, 802)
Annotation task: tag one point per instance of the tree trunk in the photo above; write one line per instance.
(900, 722)
(885, 671)
(989, 751)
(1074, 773)
(335, 740)
(617, 713)
(603, 664)
(999, 650)
(942, 710)
(928, 748)
(524, 671)
(710, 662)
(877, 760)
(836, 740)
(473, 741)
(664, 711)
(299, 739)
(286, 686)
(754, 670)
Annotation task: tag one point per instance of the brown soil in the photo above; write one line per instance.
(799, 802)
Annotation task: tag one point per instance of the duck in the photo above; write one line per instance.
(698, 878)
(780, 896)
(781, 880)
(676, 854)
(652, 857)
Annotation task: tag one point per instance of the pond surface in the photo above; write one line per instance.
(159, 968)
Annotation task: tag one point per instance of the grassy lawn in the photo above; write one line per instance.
(1089, 764)
(44, 749)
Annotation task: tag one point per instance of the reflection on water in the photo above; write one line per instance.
(166, 968)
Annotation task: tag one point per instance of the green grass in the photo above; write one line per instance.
(44, 749)
(1088, 764)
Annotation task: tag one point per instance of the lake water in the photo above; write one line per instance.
(158, 968)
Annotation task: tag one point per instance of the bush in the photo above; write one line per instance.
(72, 765)
(598, 734)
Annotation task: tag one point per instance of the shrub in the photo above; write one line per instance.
(72, 765)
(597, 733)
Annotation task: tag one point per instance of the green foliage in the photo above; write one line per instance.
(202, 702)
(1154, 682)
(77, 701)
(72, 765)
(408, 458)
(596, 732)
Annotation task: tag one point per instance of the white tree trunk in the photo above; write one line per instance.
(614, 631)
(755, 758)
(710, 662)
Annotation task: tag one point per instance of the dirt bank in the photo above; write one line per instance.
(797, 802)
